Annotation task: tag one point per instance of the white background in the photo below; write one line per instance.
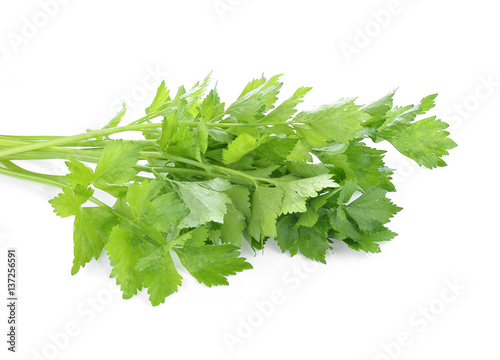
(69, 71)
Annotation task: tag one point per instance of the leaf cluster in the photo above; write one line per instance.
(208, 178)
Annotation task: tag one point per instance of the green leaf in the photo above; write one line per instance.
(379, 108)
(233, 226)
(262, 172)
(211, 108)
(306, 170)
(114, 122)
(80, 174)
(194, 95)
(276, 149)
(369, 242)
(349, 232)
(165, 212)
(240, 198)
(250, 129)
(348, 189)
(162, 97)
(301, 152)
(140, 195)
(211, 264)
(160, 212)
(245, 110)
(424, 141)
(251, 86)
(202, 136)
(427, 103)
(122, 207)
(398, 118)
(339, 122)
(219, 135)
(117, 162)
(308, 218)
(69, 202)
(178, 139)
(287, 235)
(296, 192)
(286, 109)
(195, 237)
(313, 244)
(266, 205)
(124, 250)
(269, 93)
(366, 165)
(372, 209)
(358, 162)
(176, 106)
(92, 228)
(257, 97)
(322, 199)
(205, 200)
(157, 272)
(238, 148)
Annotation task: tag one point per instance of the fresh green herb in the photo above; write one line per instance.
(206, 178)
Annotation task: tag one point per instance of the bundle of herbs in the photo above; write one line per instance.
(206, 177)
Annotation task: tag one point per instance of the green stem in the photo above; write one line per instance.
(215, 118)
(178, 159)
(34, 177)
(11, 143)
(69, 139)
(235, 173)
(193, 172)
(10, 165)
(41, 155)
(20, 140)
(91, 155)
(150, 154)
(99, 133)
(220, 169)
(143, 119)
(136, 126)
(29, 138)
(87, 155)
(224, 125)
